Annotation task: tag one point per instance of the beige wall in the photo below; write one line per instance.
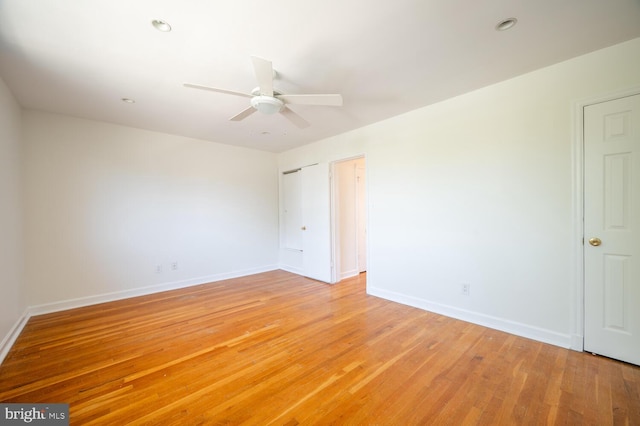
(12, 293)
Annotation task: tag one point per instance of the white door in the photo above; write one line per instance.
(612, 228)
(316, 235)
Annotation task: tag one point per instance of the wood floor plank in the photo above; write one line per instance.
(280, 349)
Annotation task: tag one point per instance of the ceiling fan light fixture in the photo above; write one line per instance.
(267, 104)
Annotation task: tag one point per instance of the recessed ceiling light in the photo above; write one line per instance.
(129, 101)
(161, 25)
(506, 24)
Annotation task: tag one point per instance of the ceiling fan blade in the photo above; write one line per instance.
(264, 75)
(213, 89)
(330, 100)
(243, 114)
(294, 118)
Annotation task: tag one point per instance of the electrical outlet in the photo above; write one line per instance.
(465, 289)
(174, 265)
(158, 269)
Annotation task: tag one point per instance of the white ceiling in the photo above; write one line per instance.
(81, 57)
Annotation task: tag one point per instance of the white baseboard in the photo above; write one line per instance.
(508, 326)
(142, 291)
(12, 336)
(577, 342)
(349, 274)
(292, 269)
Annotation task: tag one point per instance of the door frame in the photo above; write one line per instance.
(577, 206)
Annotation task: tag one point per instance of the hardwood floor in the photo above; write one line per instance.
(276, 348)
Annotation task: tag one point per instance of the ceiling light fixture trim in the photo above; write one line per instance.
(161, 25)
(506, 24)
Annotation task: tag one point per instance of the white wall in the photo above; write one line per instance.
(12, 297)
(106, 204)
(478, 190)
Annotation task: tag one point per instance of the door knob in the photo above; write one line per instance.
(595, 241)
(304, 228)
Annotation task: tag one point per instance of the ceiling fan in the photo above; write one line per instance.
(268, 101)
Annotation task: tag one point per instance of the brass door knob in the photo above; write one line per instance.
(595, 242)
(304, 228)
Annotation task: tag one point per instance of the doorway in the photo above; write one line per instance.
(349, 218)
(323, 220)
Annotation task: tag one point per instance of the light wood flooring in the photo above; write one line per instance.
(279, 349)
